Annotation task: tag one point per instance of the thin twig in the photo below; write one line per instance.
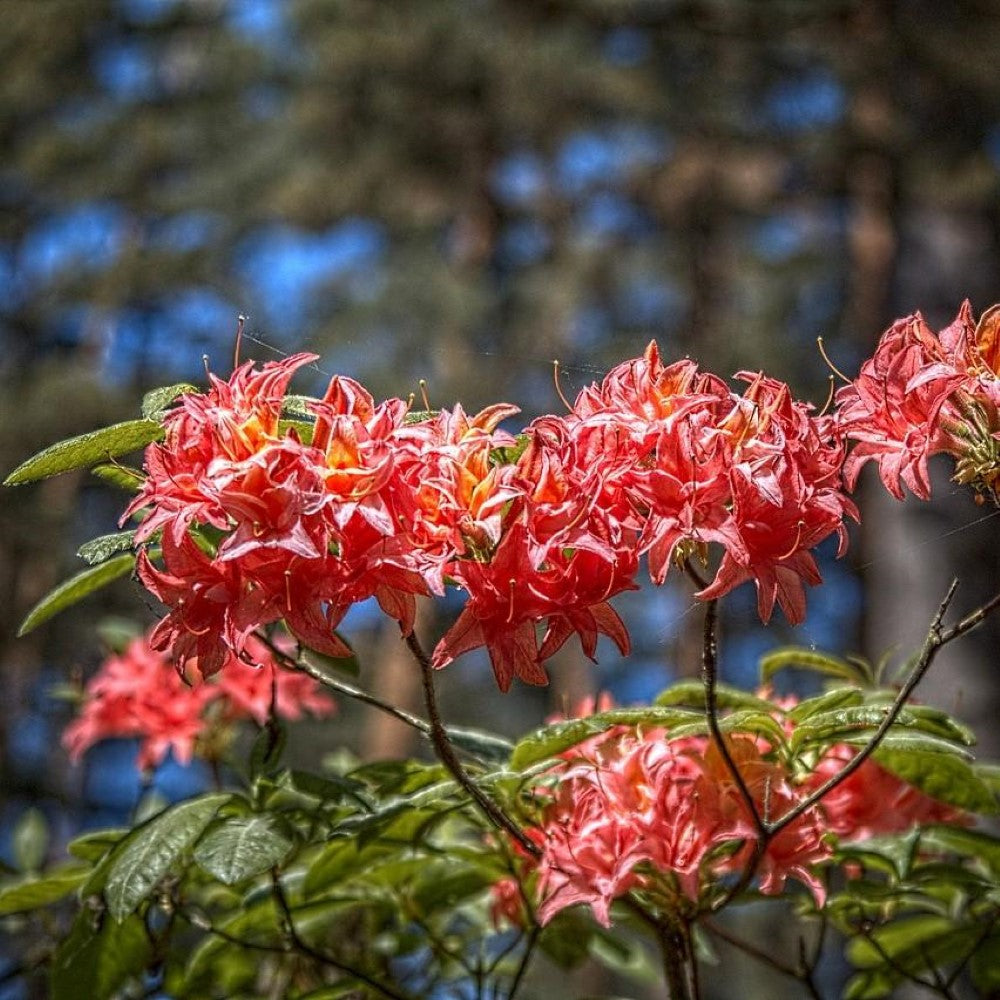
(709, 666)
(752, 950)
(936, 638)
(446, 754)
(303, 946)
(522, 968)
(342, 687)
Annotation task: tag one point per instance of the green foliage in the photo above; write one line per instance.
(140, 860)
(156, 402)
(86, 450)
(242, 847)
(98, 957)
(102, 548)
(75, 589)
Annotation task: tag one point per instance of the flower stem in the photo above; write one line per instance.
(446, 754)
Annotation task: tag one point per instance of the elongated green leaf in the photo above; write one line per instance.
(94, 845)
(811, 659)
(854, 722)
(157, 401)
(86, 450)
(33, 893)
(122, 476)
(339, 861)
(552, 740)
(841, 697)
(77, 587)
(102, 548)
(95, 961)
(976, 844)
(692, 694)
(242, 847)
(896, 938)
(943, 776)
(486, 746)
(148, 852)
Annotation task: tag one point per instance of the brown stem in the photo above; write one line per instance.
(709, 670)
(675, 949)
(936, 638)
(342, 687)
(296, 940)
(446, 754)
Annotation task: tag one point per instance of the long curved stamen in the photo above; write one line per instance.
(826, 357)
(829, 397)
(239, 341)
(555, 379)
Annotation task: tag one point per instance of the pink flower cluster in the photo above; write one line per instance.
(628, 808)
(264, 520)
(139, 694)
(924, 393)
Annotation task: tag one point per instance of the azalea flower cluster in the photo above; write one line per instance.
(261, 518)
(924, 393)
(632, 809)
(139, 694)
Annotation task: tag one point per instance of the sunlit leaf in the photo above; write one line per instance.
(122, 476)
(559, 736)
(814, 660)
(157, 401)
(86, 450)
(243, 846)
(99, 549)
(692, 694)
(33, 893)
(943, 776)
(148, 852)
(75, 589)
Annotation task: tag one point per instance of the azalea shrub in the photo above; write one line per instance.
(616, 834)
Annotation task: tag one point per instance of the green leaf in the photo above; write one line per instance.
(856, 723)
(95, 962)
(552, 740)
(486, 746)
(841, 697)
(30, 840)
(157, 401)
(242, 847)
(297, 407)
(811, 659)
(942, 776)
(77, 587)
(692, 694)
(99, 549)
(268, 746)
(122, 476)
(444, 886)
(339, 861)
(146, 855)
(984, 966)
(975, 844)
(34, 893)
(94, 845)
(86, 450)
(328, 788)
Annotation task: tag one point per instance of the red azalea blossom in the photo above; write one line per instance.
(139, 694)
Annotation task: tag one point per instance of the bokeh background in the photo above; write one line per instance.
(460, 191)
